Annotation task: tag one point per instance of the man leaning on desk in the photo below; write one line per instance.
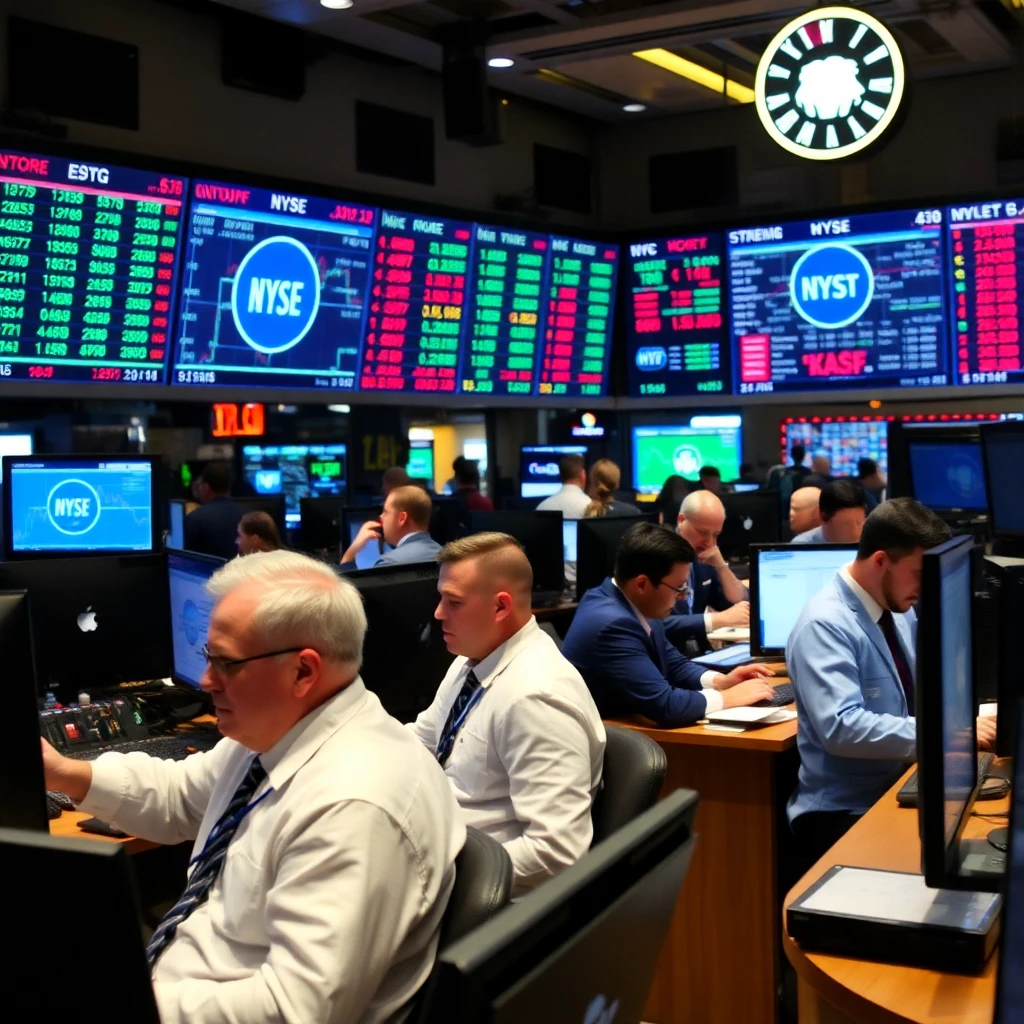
(617, 639)
(325, 835)
(851, 658)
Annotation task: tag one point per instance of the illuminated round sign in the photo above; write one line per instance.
(829, 84)
(831, 286)
(686, 460)
(73, 507)
(276, 294)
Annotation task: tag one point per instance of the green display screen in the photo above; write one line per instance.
(421, 463)
(660, 452)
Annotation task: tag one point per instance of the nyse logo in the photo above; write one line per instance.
(275, 296)
(73, 507)
(831, 285)
(651, 357)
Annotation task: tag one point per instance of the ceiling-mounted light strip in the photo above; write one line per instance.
(697, 73)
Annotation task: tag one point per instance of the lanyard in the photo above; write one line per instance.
(233, 822)
(449, 736)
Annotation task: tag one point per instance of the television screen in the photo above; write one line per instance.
(986, 279)
(88, 259)
(275, 291)
(677, 337)
(850, 302)
(421, 461)
(844, 444)
(297, 471)
(663, 451)
(538, 468)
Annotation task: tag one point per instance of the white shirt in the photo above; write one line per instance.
(527, 761)
(571, 501)
(871, 606)
(328, 905)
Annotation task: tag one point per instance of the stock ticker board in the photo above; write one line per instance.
(274, 289)
(677, 338)
(853, 301)
(88, 257)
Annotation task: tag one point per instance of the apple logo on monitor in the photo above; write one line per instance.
(748, 523)
(87, 621)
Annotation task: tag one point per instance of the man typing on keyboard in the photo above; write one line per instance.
(325, 834)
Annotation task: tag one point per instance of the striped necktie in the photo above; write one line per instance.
(208, 864)
(469, 688)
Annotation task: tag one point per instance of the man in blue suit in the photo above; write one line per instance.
(403, 524)
(851, 659)
(617, 639)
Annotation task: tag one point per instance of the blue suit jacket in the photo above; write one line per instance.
(685, 625)
(627, 670)
(420, 547)
(815, 536)
(855, 732)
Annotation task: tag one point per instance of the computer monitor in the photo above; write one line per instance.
(540, 533)
(14, 444)
(444, 520)
(783, 578)
(597, 542)
(56, 505)
(948, 476)
(752, 518)
(176, 523)
(96, 622)
(404, 654)
(1000, 671)
(23, 794)
(1002, 448)
(36, 864)
(947, 762)
(569, 533)
(682, 449)
(190, 607)
(538, 468)
(558, 955)
(321, 523)
(274, 505)
(352, 519)
(296, 471)
(421, 461)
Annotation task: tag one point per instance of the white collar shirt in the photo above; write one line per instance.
(571, 500)
(871, 606)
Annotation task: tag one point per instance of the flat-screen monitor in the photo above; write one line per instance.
(404, 654)
(176, 525)
(321, 523)
(1010, 977)
(677, 334)
(56, 505)
(190, 607)
(90, 261)
(597, 542)
(540, 534)
(444, 520)
(274, 505)
(683, 448)
(853, 301)
(538, 468)
(569, 533)
(783, 578)
(277, 289)
(296, 471)
(947, 763)
(750, 518)
(947, 476)
(421, 461)
(352, 519)
(558, 954)
(843, 444)
(999, 621)
(14, 444)
(1002, 448)
(96, 622)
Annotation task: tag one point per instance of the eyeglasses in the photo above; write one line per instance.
(222, 665)
(682, 591)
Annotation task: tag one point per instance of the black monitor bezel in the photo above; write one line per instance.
(195, 556)
(945, 442)
(988, 430)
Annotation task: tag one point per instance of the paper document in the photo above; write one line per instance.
(731, 634)
(751, 716)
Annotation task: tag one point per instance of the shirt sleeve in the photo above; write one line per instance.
(329, 952)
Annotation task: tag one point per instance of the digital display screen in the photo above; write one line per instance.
(539, 475)
(675, 327)
(948, 475)
(417, 304)
(856, 301)
(88, 258)
(503, 334)
(578, 331)
(987, 278)
(681, 450)
(297, 471)
(191, 606)
(844, 444)
(274, 289)
(421, 461)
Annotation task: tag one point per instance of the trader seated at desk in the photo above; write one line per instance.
(513, 724)
(804, 514)
(617, 639)
(841, 510)
(715, 597)
(212, 529)
(851, 658)
(404, 524)
(325, 835)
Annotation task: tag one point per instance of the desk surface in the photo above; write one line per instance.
(876, 993)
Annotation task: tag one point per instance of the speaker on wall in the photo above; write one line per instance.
(470, 111)
(263, 56)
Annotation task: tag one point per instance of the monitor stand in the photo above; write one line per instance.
(999, 838)
(981, 865)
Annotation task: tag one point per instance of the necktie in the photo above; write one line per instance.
(208, 864)
(888, 628)
(451, 726)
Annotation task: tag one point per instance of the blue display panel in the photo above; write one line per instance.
(676, 333)
(274, 289)
(948, 476)
(191, 606)
(297, 471)
(852, 302)
(88, 258)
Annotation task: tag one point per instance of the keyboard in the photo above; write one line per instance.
(172, 748)
(783, 695)
(907, 796)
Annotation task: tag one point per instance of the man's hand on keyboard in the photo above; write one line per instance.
(64, 774)
(987, 733)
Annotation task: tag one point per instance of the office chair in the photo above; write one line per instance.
(634, 770)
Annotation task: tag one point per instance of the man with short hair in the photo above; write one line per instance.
(617, 639)
(394, 477)
(572, 499)
(803, 510)
(212, 529)
(709, 478)
(512, 724)
(873, 481)
(798, 469)
(851, 658)
(467, 487)
(841, 509)
(325, 836)
(404, 524)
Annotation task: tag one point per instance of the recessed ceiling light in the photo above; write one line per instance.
(499, 62)
(634, 108)
(337, 5)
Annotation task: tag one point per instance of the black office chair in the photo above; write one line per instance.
(634, 770)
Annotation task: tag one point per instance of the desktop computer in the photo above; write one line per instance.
(783, 578)
(597, 542)
(540, 534)
(444, 520)
(175, 539)
(296, 471)
(321, 523)
(58, 505)
(750, 518)
(352, 519)
(1010, 977)
(190, 608)
(947, 475)
(1000, 613)
(558, 955)
(1002, 449)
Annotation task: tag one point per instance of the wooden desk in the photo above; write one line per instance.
(721, 961)
(837, 990)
